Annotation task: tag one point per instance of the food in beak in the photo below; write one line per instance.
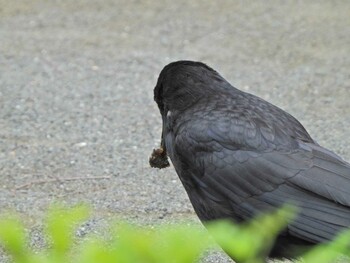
(159, 158)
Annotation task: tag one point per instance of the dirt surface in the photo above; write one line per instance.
(77, 117)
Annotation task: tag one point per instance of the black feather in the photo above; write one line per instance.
(238, 156)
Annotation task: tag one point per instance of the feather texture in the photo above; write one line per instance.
(238, 155)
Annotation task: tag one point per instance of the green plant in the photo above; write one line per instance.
(252, 241)
(135, 244)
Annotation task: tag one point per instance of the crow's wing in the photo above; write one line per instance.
(252, 181)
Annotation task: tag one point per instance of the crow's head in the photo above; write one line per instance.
(182, 83)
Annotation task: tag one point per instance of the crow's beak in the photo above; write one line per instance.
(159, 158)
(162, 142)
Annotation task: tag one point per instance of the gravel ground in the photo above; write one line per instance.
(77, 117)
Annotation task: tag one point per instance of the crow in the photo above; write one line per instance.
(238, 155)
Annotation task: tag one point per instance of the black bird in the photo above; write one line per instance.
(238, 155)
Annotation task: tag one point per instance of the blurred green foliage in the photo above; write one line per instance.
(251, 242)
(128, 243)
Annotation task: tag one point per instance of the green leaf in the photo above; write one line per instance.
(60, 226)
(12, 237)
(252, 241)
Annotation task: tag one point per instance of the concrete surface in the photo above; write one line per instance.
(76, 91)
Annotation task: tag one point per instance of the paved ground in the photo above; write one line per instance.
(76, 83)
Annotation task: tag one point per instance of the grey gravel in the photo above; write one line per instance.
(76, 92)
